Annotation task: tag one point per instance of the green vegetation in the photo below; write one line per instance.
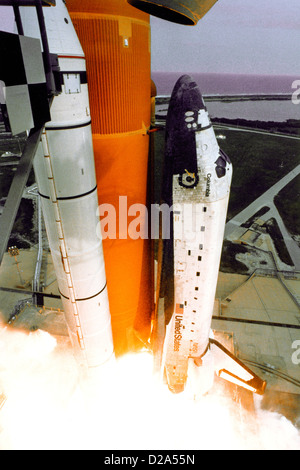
(291, 126)
(275, 233)
(259, 161)
(229, 263)
(256, 216)
(287, 203)
(23, 226)
(6, 177)
(15, 146)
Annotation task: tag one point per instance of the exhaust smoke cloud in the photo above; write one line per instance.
(47, 406)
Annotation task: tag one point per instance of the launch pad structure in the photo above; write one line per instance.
(258, 326)
(248, 331)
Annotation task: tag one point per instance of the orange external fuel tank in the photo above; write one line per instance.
(115, 38)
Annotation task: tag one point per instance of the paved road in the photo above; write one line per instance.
(291, 245)
(266, 199)
(254, 131)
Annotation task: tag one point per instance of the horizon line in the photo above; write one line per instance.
(230, 73)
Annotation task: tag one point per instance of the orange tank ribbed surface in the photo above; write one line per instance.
(109, 7)
(115, 38)
(118, 71)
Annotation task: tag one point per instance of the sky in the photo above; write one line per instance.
(236, 36)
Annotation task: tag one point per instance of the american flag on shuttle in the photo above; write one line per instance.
(179, 309)
(23, 89)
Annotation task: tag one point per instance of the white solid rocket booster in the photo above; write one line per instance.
(65, 172)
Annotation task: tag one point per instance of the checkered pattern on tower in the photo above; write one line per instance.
(23, 89)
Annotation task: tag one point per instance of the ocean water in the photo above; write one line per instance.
(278, 110)
(228, 84)
(264, 111)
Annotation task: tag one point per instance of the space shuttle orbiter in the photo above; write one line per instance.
(196, 184)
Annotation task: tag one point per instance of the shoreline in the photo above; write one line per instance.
(238, 97)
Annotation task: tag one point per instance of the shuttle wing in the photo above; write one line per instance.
(197, 178)
(229, 367)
